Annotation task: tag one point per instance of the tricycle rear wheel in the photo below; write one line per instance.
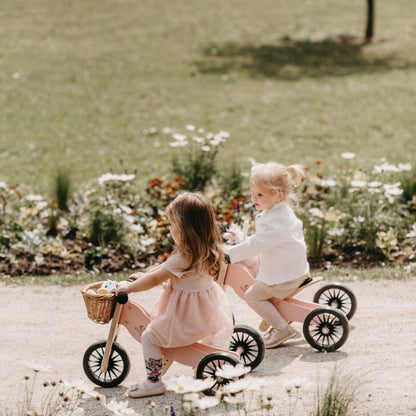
(338, 296)
(325, 328)
(249, 344)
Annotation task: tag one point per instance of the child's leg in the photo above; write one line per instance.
(257, 297)
(153, 361)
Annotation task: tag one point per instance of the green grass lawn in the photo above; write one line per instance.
(82, 82)
(342, 275)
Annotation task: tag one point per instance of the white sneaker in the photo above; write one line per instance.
(146, 389)
(274, 337)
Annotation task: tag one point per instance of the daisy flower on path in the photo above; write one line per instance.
(229, 371)
(187, 384)
(121, 408)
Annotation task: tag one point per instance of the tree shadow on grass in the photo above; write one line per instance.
(291, 59)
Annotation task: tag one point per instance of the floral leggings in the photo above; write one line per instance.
(152, 359)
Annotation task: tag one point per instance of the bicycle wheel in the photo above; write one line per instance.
(209, 365)
(338, 296)
(118, 365)
(325, 328)
(249, 344)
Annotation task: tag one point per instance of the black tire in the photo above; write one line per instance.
(338, 296)
(208, 366)
(325, 328)
(118, 365)
(249, 343)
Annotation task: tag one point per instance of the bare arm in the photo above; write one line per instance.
(151, 269)
(145, 281)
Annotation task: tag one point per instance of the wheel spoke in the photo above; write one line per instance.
(330, 323)
(339, 296)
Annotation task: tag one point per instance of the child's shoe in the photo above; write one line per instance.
(274, 337)
(146, 389)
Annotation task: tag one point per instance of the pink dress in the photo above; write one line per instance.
(191, 308)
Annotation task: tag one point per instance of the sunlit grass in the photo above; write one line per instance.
(390, 272)
(80, 83)
(73, 279)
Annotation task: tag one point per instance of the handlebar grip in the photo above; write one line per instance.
(122, 298)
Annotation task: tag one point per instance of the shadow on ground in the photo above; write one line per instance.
(292, 59)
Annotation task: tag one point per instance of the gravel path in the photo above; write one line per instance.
(49, 325)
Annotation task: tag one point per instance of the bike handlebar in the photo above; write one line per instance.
(122, 298)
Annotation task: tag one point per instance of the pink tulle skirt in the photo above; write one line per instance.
(183, 317)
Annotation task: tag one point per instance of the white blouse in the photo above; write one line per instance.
(278, 243)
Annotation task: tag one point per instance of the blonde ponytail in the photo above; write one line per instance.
(278, 178)
(296, 173)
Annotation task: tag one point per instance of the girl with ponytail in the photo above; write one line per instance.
(278, 245)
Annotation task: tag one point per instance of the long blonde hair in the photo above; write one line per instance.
(199, 236)
(278, 178)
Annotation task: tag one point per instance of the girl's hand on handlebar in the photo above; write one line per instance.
(122, 287)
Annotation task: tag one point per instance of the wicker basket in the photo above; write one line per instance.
(100, 308)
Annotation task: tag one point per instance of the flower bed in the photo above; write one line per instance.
(357, 217)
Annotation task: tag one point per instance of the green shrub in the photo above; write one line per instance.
(61, 189)
(105, 228)
(232, 182)
(408, 183)
(315, 237)
(93, 255)
(196, 162)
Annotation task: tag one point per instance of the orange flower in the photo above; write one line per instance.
(165, 256)
(133, 211)
(228, 218)
(318, 162)
(179, 180)
(235, 203)
(155, 182)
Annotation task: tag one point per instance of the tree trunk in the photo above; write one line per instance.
(370, 20)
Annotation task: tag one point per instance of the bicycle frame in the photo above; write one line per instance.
(239, 278)
(135, 319)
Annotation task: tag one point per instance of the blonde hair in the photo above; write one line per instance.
(278, 178)
(199, 236)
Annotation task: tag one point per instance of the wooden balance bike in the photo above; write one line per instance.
(107, 364)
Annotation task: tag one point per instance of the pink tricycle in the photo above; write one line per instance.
(325, 320)
(325, 328)
(107, 364)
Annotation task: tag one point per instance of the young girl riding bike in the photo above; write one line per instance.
(192, 306)
(278, 244)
